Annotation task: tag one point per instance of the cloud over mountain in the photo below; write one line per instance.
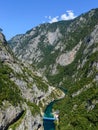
(66, 16)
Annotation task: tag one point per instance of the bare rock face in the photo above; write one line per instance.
(4, 55)
(8, 114)
(2, 38)
(68, 57)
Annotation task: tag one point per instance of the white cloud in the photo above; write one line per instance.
(55, 19)
(70, 15)
(51, 20)
(66, 16)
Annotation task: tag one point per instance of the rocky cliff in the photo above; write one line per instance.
(62, 54)
(23, 92)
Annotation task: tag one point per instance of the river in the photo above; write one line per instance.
(49, 124)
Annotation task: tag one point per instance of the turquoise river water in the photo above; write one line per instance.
(49, 124)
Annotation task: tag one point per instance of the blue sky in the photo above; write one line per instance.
(18, 16)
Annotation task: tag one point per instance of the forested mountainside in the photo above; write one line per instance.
(23, 92)
(62, 54)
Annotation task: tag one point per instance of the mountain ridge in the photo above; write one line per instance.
(62, 54)
(53, 41)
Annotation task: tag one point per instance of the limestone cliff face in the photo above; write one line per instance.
(23, 92)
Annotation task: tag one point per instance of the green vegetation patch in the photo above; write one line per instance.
(34, 108)
(8, 89)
